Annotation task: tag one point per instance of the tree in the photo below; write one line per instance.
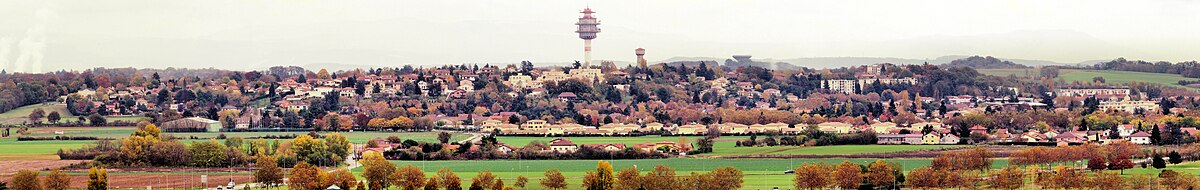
(604, 177)
(1066, 177)
(521, 182)
(268, 173)
(812, 176)
(1174, 157)
(1175, 180)
(304, 177)
(1010, 177)
(97, 179)
(1139, 181)
(376, 169)
(97, 120)
(628, 179)
(589, 180)
(449, 180)
(847, 175)
(36, 115)
(498, 185)
(57, 180)
(338, 145)
(554, 180)
(483, 179)
(323, 74)
(662, 177)
(726, 178)
(879, 174)
(922, 177)
(1106, 180)
(443, 137)
(53, 117)
(1095, 163)
(1120, 164)
(25, 180)
(408, 177)
(208, 153)
(1158, 162)
(1155, 135)
(432, 184)
(340, 177)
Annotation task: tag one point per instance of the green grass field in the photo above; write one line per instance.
(1186, 167)
(355, 137)
(1110, 77)
(628, 141)
(822, 150)
(760, 173)
(21, 114)
(121, 132)
(11, 149)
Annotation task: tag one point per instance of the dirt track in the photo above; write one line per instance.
(141, 181)
(10, 167)
(997, 151)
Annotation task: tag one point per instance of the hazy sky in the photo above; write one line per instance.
(47, 35)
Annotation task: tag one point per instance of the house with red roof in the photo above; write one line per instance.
(562, 145)
(1141, 137)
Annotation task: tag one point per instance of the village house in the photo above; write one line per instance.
(931, 138)
(1140, 137)
(607, 147)
(562, 145)
(835, 127)
(950, 139)
(889, 138)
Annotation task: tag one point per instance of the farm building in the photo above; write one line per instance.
(192, 124)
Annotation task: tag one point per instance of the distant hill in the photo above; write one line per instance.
(835, 62)
(989, 62)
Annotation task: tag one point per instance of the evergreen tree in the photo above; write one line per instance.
(1155, 135)
(1113, 133)
(1174, 157)
(1158, 162)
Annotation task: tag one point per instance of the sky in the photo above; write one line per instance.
(51, 35)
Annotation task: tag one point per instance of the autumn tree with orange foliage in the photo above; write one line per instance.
(847, 175)
(922, 178)
(1105, 180)
(812, 176)
(880, 174)
(975, 158)
(1066, 177)
(408, 177)
(1010, 177)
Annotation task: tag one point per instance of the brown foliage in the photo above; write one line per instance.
(554, 180)
(921, 178)
(662, 177)
(976, 158)
(484, 179)
(1106, 180)
(847, 175)
(408, 177)
(725, 178)
(879, 173)
(812, 176)
(449, 179)
(1008, 178)
(628, 179)
(57, 180)
(304, 176)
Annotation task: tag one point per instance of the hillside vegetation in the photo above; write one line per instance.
(989, 62)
